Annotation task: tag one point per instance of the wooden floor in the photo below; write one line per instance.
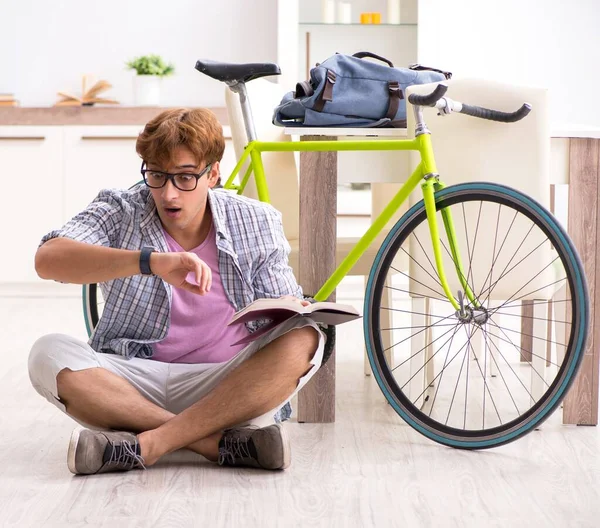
(367, 469)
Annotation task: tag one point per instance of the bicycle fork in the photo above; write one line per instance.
(430, 187)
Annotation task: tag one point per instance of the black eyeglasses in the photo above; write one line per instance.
(184, 181)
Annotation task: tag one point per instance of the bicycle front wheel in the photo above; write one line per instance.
(486, 374)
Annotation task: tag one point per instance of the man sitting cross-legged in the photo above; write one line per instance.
(176, 258)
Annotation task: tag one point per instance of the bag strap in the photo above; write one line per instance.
(363, 54)
(420, 67)
(327, 92)
(303, 89)
(396, 95)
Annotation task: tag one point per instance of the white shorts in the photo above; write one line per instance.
(172, 386)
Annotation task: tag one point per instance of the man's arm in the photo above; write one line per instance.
(67, 260)
(87, 250)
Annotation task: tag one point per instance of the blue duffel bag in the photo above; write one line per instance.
(348, 91)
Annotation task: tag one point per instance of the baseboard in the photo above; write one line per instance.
(39, 289)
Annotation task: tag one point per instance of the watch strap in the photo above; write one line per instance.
(145, 260)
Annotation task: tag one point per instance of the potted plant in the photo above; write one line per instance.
(150, 70)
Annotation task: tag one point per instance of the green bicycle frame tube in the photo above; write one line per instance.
(426, 167)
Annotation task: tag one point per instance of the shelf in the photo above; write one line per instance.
(354, 24)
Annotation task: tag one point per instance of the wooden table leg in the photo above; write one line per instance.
(581, 404)
(317, 248)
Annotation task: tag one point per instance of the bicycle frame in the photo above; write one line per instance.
(426, 170)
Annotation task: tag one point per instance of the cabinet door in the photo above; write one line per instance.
(32, 202)
(98, 157)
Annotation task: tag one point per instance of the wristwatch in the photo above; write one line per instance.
(145, 260)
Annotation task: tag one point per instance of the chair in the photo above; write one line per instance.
(282, 175)
(516, 155)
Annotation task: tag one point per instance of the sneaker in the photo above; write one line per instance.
(93, 452)
(266, 448)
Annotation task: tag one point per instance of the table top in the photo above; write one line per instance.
(575, 131)
(556, 131)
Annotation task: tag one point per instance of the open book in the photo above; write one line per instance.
(280, 310)
(89, 96)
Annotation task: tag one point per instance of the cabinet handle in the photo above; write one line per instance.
(19, 138)
(104, 138)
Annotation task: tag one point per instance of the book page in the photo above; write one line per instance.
(281, 309)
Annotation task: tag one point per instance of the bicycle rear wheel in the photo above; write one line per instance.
(93, 304)
(491, 372)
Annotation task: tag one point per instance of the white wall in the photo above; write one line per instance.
(46, 46)
(550, 43)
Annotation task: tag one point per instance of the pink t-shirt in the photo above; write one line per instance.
(198, 332)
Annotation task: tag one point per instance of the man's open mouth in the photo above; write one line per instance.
(172, 211)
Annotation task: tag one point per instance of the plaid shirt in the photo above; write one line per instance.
(253, 262)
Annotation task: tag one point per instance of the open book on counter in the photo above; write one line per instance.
(280, 310)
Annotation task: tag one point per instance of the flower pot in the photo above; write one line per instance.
(146, 90)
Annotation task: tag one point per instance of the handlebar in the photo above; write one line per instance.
(430, 99)
(496, 115)
(433, 99)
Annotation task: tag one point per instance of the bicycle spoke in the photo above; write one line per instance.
(417, 333)
(470, 272)
(436, 280)
(485, 384)
(494, 256)
(447, 365)
(528, 294)
(469, 345)
(418, 282)
(456, 268)
(417, 353)
(513, 304)
(520, 350)
(510, 367)
(532, 336)
(415, 313)
(445, 299)
(485, 337)
(441, 375)
(522, 260)
(530, 317)
(504, 272)
(425, 253)
(413, 327)
(456, 387)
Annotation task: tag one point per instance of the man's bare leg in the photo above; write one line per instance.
(100, 398)
(259, 384)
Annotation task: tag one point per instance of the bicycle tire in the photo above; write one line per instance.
(387, 375)
(90, 307)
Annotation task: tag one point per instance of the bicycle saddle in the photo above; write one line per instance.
(232, 73)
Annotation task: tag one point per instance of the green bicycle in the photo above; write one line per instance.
(481, 240)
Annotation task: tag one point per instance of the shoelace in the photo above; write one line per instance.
(233, 448)
(124, 455)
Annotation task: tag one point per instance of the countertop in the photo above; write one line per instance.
(87, 115)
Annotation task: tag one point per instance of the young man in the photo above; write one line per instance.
(176, 259)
